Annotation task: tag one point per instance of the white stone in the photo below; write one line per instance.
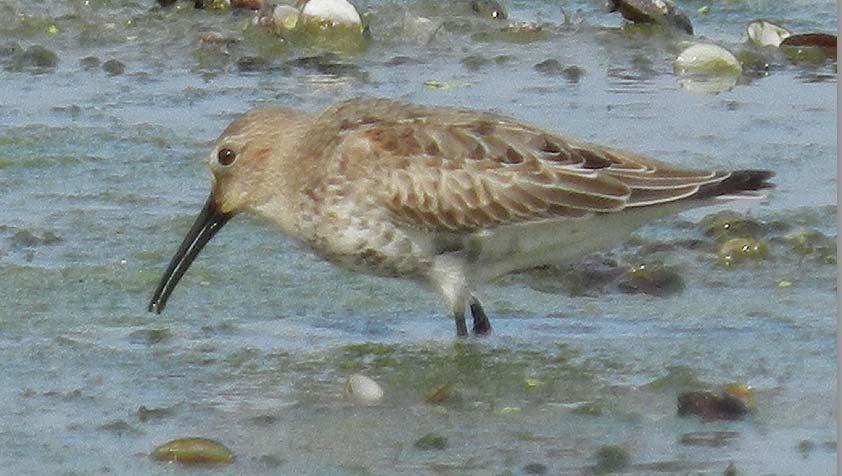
(764, 33)
(708, 59)
(362, 389)
(339, 11)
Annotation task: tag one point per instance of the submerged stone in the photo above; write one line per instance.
(474, 62)
(706, 59)
(90, 62)
(652, 280)
(119, 427)
(661, 12)
(114, 67)
(145, 414)
(431, 441)
(708, 439)
(433, 84)
(549, 66)
(817, 40)
(611, 458)
(249, 64)
(810, 48)
(535, 468)
(441, 394)
(516, 32)
(330, 64)
(193, 451)
(149, 336)
(26, 239)
(589, 409)
(35, 58)
(711, 406)
(754, 63)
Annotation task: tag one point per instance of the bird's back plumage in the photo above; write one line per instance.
(453, 170)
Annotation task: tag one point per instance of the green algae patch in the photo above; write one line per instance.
(453, 376)
(741, 250)
(193, 451)
(312, 32)
(35, 59)
(803, 243)
(725, 225)
(31, 26)
(35, 162)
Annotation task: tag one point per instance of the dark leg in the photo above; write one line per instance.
(461, 327)
(482, 326)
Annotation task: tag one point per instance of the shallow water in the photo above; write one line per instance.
(101, 176)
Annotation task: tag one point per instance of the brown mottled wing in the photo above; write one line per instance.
(452, 170)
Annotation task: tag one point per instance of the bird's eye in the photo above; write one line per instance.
(226, 156)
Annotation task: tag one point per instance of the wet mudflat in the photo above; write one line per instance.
(108, 112)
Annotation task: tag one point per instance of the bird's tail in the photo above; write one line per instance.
(739, 184)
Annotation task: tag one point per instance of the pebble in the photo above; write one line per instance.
(705, 58)
(193, 451)
(338, 11)
(363, 390)
(765, 33)
(818, 40)
(661, 12)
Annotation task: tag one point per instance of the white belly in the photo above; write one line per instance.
(491, 253)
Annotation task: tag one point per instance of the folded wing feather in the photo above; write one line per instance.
(452, 170)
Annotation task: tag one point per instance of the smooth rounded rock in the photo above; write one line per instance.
(339, 11)
(660, 12)
(193, 451)
(362, 389)
(706, 59)
(766, 33)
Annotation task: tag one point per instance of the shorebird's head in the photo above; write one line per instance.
(250, 163)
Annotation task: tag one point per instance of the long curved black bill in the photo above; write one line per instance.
(209, 221)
